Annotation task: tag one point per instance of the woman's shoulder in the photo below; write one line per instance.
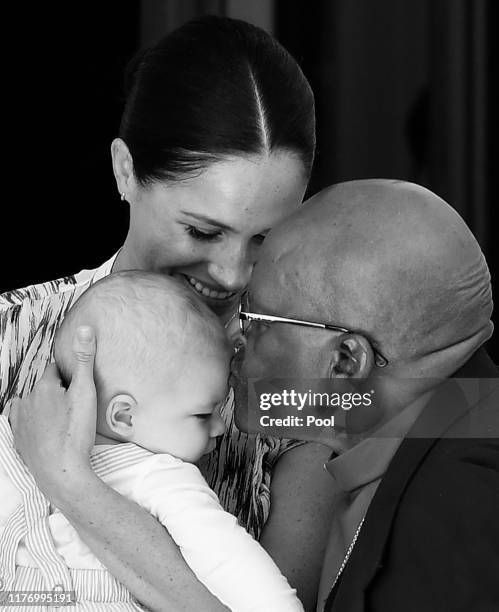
(53, 289)
(29, 319)
(34, 293)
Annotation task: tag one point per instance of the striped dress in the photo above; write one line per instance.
(239, 470)
(24, 525)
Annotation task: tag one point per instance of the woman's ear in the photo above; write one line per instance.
(352, 357)
(120, 415)
(123, 168)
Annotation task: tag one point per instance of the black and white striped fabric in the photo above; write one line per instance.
(28, 524)
(239, 470)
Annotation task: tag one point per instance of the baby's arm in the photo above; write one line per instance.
(233, 566)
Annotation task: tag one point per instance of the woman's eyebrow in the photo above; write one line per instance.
(209, 220)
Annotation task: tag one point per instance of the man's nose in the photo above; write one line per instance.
(233, 331)
(238, 358)
(217, 425)
(232, 270)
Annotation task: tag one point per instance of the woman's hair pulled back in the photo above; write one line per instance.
(213, 88)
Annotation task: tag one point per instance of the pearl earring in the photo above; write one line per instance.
(122, 196)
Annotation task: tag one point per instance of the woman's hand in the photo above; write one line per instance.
(54, 428)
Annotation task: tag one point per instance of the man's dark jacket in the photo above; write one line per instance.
(430, 539)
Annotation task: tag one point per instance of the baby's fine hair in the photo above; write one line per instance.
(143, 322)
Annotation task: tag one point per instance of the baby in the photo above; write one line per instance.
(161, 374)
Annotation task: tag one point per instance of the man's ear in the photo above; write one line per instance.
(351, 357)
(123, 168)
(120, 413)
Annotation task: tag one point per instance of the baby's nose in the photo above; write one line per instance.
(217, 425)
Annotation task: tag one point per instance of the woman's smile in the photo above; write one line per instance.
(207, 290)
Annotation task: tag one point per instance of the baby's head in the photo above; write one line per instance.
(161, 366)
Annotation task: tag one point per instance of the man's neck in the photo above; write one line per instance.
(396, 424)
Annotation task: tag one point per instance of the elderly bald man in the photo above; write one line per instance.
(416, 523)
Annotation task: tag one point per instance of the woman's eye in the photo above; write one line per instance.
(197, 234)
(203, 416)
(259, 238)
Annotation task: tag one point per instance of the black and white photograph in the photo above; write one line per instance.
(248, 356)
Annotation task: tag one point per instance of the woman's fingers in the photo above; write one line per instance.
(84, 347)
(82, 387)
(33, 418)
(52, 375)
(54, 428)
(81, 396)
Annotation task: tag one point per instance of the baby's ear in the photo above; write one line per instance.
(119, 415)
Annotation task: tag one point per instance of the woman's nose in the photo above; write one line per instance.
(232, 271)
(217, 425)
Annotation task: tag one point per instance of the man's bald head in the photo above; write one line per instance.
(386, 257)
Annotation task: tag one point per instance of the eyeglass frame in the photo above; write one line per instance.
(243, 315)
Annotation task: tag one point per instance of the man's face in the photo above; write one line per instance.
(297, 358)
(277, 350)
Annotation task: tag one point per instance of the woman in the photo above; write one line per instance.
(216, 146)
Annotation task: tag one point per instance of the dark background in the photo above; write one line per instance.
(404, 89)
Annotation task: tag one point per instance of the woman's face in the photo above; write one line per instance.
(207, 230)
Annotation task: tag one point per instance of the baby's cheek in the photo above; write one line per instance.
(155, 436)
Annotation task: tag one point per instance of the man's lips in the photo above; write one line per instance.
(208, 291)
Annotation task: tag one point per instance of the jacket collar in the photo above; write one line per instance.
(367, 554)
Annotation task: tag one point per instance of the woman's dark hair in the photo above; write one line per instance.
(212, 88)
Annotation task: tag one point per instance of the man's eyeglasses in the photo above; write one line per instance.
(246, 318)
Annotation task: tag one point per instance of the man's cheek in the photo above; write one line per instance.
(269, 352)
(253, 364)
